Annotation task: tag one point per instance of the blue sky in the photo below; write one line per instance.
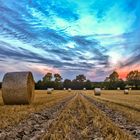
(92, 37)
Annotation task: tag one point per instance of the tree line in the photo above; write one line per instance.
(132, 81)
(55, 81)
(111, 82)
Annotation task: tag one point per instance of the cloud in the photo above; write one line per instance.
(70, 37)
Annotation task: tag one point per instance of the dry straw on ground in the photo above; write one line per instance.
(97, 91)
(18, 88)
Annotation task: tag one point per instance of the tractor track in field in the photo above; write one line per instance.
(117, 117)
(35, 126)
(74, 123)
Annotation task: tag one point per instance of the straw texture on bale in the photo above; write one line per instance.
(18, 88)
(97, 91)
(126, 91)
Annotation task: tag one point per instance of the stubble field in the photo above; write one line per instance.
(75, 115)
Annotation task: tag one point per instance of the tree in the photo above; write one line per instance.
(88, 84)
(80, 78)
(113, 82)
(57, 77)
(40, 85)
(67, 83)
(107, 79)
(47, 77)
(133, 75)
(113, 77)
(133, 78)
(0, 85)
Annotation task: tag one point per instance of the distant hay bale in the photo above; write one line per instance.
(18, 88)
(130, 88)
(118, 88)
(97, 91)
(84, 88)
(49, 91)
(126, 91)
(64, 88)
(69, 89)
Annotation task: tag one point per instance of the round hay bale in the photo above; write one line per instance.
(84, 88)
(49, 91)
(69, 89)
(97, 91)
(126, 91)
(64, 88)
(118, 88)
(18, 88)
(130, 88)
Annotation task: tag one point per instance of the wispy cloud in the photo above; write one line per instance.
(70, 37)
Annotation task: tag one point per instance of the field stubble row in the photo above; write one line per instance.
(128, 105)
(81, 120)
(13, 114)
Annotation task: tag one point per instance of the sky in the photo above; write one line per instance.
(70, 37)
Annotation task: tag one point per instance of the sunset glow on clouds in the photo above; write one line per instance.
(92, 37)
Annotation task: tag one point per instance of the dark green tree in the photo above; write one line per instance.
(0, 85)
(133, 78)
(47, 77)
(67, 83)
(57, 77)
(88, 84)
(81, 78)
(113, 77)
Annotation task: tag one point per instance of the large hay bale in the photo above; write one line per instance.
(126, 91)
(84, 88)
(18, 88)
(97, 91)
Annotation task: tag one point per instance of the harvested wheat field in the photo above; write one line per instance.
(11, 114)
(75, 115)
(128, 104)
